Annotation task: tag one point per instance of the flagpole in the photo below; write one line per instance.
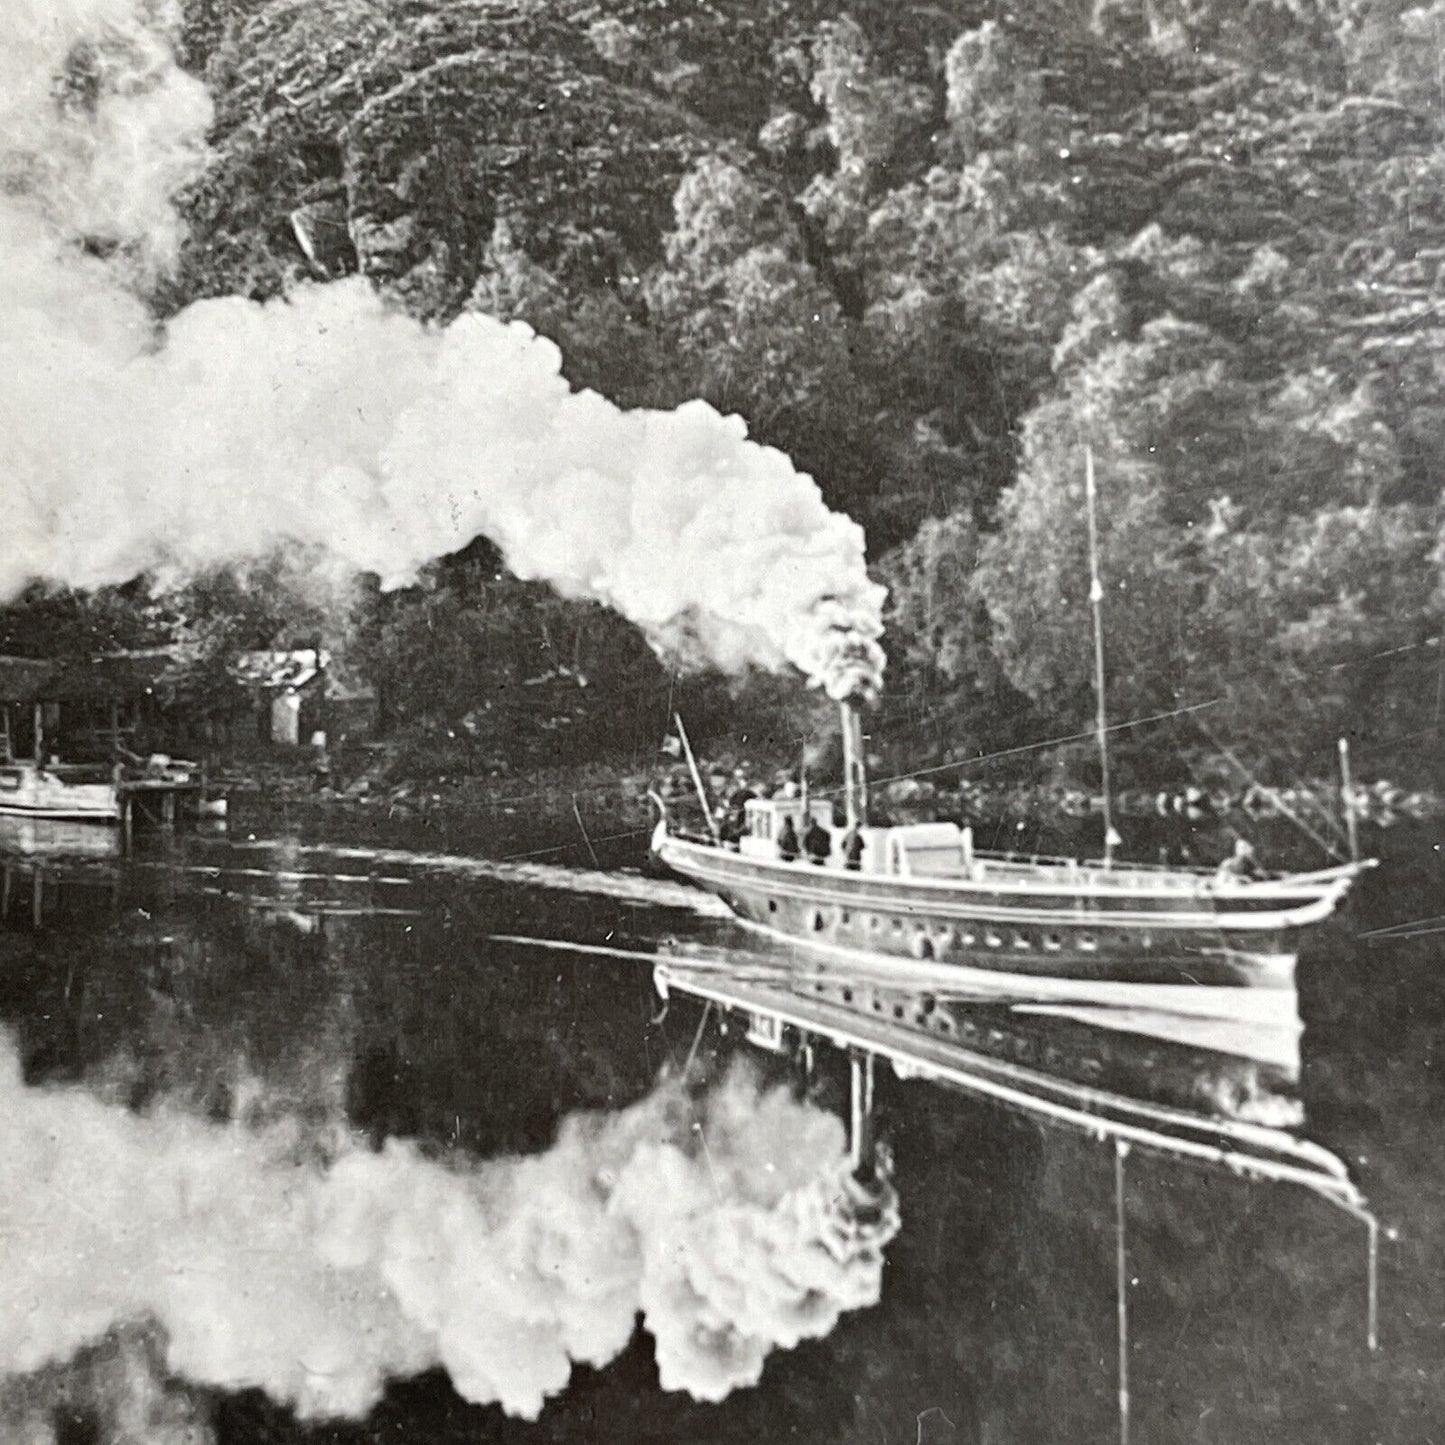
(697, 779)
(1096, 602)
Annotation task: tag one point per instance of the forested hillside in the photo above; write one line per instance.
(932, 252)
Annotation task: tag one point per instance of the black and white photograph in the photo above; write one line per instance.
(722, 722)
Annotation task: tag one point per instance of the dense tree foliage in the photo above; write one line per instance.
(935, 253)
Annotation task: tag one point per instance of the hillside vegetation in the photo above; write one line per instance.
(932, 252)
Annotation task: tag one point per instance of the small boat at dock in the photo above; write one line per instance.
(59, 792)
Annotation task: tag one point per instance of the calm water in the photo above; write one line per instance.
(277, 978)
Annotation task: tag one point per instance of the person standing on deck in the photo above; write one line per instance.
(817, 843)
(853, 846)
(1241, 863)
(788, 842)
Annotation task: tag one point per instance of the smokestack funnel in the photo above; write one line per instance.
(855, 766)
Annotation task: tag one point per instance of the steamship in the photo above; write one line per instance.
(923, 894)
(922, 899)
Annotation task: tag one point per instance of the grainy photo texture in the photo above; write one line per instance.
(721, 722)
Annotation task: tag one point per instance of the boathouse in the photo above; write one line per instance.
(84, 709)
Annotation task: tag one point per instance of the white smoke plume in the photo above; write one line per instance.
(332, 419)
(725, 1223)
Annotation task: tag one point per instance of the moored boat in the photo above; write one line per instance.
(35, 790)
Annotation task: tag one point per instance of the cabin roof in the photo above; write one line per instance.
(281, 669)
(296, 669)
(22, 679)
(784, 805)
(109, 677)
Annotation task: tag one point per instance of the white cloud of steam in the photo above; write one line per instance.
(317, 1282)
(332, 419)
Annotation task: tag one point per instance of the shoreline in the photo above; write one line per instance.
(598, 814)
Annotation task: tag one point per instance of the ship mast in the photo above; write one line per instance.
(1096, 604)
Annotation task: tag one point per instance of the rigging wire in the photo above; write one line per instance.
(1137, 722)
(1272, 793)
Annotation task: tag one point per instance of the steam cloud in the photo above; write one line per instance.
(332, 419)
(725, 1223)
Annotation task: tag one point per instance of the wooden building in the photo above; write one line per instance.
(84, 710)
(299, 692)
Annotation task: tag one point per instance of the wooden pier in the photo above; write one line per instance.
(158, 802)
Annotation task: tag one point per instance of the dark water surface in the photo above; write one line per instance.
(296, 977)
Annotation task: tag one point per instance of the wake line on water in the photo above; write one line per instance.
(629, 887)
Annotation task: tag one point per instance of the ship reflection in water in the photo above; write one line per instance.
(1238, 1057)
(471, 1006)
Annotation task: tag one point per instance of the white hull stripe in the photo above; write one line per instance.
(102, 813)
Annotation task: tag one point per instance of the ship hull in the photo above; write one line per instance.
(1035, 930)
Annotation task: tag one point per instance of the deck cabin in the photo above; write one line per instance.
(942, 850)
(763, 820)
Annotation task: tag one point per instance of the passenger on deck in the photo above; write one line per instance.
(853, 846)
(730, 826)
(1241, 863)
(741, 794)
(817, 843)
(788, 842)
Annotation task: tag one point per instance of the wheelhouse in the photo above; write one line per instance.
(763, 820)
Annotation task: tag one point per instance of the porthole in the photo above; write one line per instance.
(772, 905)
(845, 916)
(898, 1010)
(1088, 943)
(847, 995)
(818, 921)
(1052, 942)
